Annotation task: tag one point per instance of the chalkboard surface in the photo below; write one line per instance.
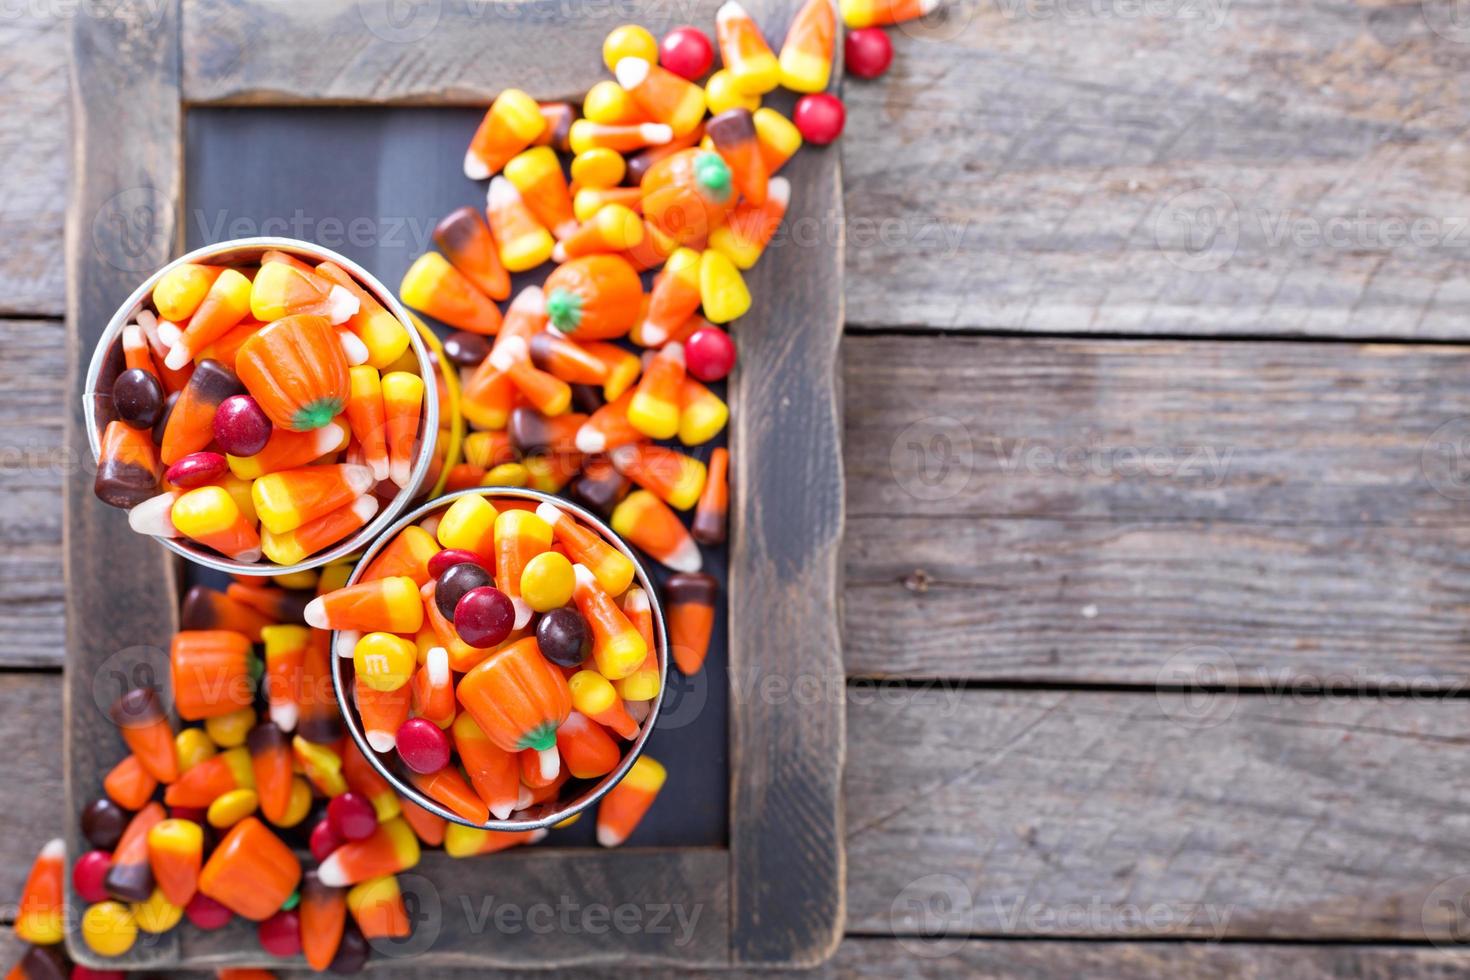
(371, 183)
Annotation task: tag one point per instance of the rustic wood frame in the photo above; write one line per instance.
(775, 896)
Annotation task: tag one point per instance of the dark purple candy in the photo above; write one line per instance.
(563, 638)
(444, 560)
(455, 582)
(137, 397)
(484, 617)
(103, 823)
(240, 426)
(466, 349)
(352, 951)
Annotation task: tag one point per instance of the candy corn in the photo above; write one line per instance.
(38, 919)
(290, 498)
(644, 683)
(462, 842)
(648, 523)
(175, 855)
(708, 526)
(611, 568)
(382, 713)
(403, 400)
(779, 137)
(282, 289)
(519, 536)
(212, 778)
(128, 466)
(616, 644)
(744, 51)
(654, 409)
(130, 878)
(128, 784)
(139, 715)
(722, 290)
(550, 395)
(383, 334)
(308, 539)
(323, 917)
(391, 848)
(664, 96)
(437, 288)
(524, 243)
(512, 122)
(224, 305)
(677, 479)
(536, 174)
(190, 425)
(465, 238)
(614, 228)
(625, 804)
(449, 789)
(271, 763)
(880, 13)
(586, 748)
(733, 134)
(491, 770)
(806, 54)
(389, 604)
(180, 290)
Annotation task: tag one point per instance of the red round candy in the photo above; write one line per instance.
(323, 840)
(867, 52)
(206, 913)
(87, 875)
(687, 52)
(444, 560)
(197, 469)
(819, 118)
(484, 617)
(280, 935)
(351, 816)
(709, 353)
(240, 426)
(422, 746)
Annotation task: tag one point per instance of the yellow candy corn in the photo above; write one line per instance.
(779, 138)
(722, 289)
(469, 525)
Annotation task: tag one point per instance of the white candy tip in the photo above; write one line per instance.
(347, 642)
(550, 763)
(343, 304)
(583, 574)
(673, 352)
(686, 557)
(359, 478)
(365, 507)
(474, 167)
(315, 614)
(654, 334)
(778, 189)
(636, 600)
(549, 513)
(523, 798)
(532, 299)
(523, 612)
(353, 348)
(436, 661)
(508, 351)
(249, 556)
(54, 848)
(558, 252)
(631, 72)
(655, 134)
(147, 320)
(178, 358)
(729, 10)
(502, 811)
(330, 873)
(154, 516)
(380, 469)
(606, 836)
(400, 472)
(328, 438)
(284, 716)
(381, 741)
(589, 440)
(501, 192)
(168, 332)
(623, 456)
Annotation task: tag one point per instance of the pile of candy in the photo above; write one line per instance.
(262, 411)
(509, 639)
(203, 823)
(509, 626)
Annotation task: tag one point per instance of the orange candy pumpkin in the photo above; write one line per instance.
(296, 370)
(596, 297)
(688, 194)
(517, 697)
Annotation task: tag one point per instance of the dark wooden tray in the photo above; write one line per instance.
(743, 857)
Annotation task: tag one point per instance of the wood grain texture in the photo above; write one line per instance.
(1136, 816)
(30, 709)
(787, 518)
(1206, 168)
(1127, 512)
(33, 144)
(380, 51)
(120, 600)
(33, 466)
(884, 958)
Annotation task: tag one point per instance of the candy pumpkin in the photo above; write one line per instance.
(688, 194)
(519, 700)
(296, 370)
(596, 297)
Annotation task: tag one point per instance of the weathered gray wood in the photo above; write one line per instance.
(885, 958)
(1130, 815)
(1144, 602)
(33, 465)
(1106, 511)
(120, 597)
(30, 713)
(438, 54)
(786, 517)
(1042, 166)
(33, 142)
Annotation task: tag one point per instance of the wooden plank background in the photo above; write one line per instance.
(1005, 634)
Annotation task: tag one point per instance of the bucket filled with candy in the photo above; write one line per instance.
(500, 656)
(262, 406)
